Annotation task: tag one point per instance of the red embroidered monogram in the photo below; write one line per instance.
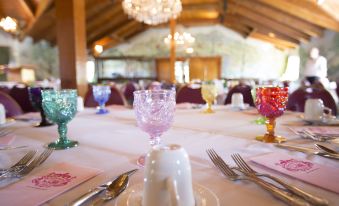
(295, 165)
(53, 180)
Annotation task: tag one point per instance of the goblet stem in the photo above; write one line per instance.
(209, 107)
(63, 142)
(62, 130)
(102, 109)
(155, 140)
(270, 126)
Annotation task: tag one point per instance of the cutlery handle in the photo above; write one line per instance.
(284, 196)
(81, 200)
(314, 200)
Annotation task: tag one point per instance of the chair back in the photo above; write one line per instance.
(128, 90)
(245, 90)
(11, 106)
(190, 95)
(116, 98)
(21, 96)
(296, 101)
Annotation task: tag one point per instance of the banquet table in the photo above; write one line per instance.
(113, 142)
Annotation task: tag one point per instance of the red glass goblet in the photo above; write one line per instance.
(271, 103)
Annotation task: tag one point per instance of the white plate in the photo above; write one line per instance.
(331, 122)
(133, 196)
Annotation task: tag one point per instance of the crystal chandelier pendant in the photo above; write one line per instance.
(152, 12)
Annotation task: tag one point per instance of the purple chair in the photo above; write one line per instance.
(128, 90)
(21, 96)
(245, 90)
(116, 98)
(190, 95)
(11, 106)
(296, 101)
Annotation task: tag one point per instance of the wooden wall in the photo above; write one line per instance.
(204, 68)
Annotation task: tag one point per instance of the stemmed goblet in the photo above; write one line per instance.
(154, 110)
(36, 101)
(209, 93)
(101, 95)
(271, 103)
(60, 107)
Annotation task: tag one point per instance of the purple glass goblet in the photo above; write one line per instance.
(154, 110)
(36, 101)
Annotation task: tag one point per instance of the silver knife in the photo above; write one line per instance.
(308, 151)
(90, 194)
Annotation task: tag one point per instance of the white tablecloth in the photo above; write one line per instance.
(113, 143)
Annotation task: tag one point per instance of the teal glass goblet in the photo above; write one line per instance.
(60, 107)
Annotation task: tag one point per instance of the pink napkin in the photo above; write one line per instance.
(313, 173)
(318, 130)
(7, 140)
(45, 185)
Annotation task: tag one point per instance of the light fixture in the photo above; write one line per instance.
(8, 24)
(183, 40)
(320, 1)
(98, 48)
(271, 34)
(180, 38)
(189, 50)
(152, 12)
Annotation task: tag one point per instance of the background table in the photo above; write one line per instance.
(113, 143)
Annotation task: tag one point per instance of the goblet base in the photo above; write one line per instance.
(209, 111)
(61, 145)
(43, 124)
(102, 111)
(271, 139)
(141, 161)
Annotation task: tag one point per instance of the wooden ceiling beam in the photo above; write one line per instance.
(95, 10)
(199, 14)
(203, 6)
(275, 26)
(277, 42)
(238, 19)
(304, 10)
(43, 16)
(107, 28)
(107, 17)
(283, 18)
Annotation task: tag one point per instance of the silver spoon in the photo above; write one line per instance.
(114, 190)
(326, 149)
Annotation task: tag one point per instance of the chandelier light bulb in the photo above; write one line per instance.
(152, 12)
(8, 24)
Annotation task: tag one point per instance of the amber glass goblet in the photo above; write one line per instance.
(271, 103)
(209, 93)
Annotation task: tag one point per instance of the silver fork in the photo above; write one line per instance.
(22, 162)
(31, 165)
(230, 174)
(247, 170)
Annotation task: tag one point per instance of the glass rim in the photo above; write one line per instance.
(161, 91)
(59, 91)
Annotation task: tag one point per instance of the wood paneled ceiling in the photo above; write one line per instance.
(284, 23)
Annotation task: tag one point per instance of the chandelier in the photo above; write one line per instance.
(152, 12)
(8, 24)
(183, 41)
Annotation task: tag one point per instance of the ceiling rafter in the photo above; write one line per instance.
(263, 20)
(305, 10)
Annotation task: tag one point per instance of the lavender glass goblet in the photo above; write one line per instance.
(154, 110)
(36, 101)
(101, 95)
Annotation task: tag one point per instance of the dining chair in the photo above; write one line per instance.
(20, 94)
(296, 100)
(128, 90)
(116, 98)
(190, 95)
(11, 106)
(245, 90)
